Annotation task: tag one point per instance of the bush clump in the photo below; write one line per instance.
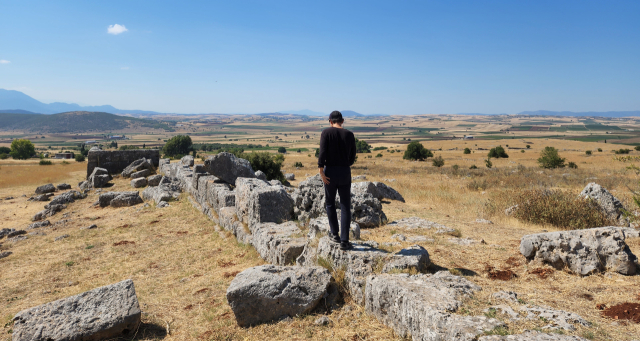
(561, 209)
(622, 151)
(416, 151)
(588, 152)
(549, 158)
(467, 151)
(269, 164)
(282, 150)
(79, 158)
(177, 145)
(44, 162)
(498, 152)
(438, 161)
(22, 149)
(573, 165)
(362, 146)
(298, 164)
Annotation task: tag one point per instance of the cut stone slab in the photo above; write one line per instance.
(319, 228)
(66, 198)
(278, 244)
(259, 202)
(119, 199)
(48, 188)
(418, 223)
(290, 176)
(379, 190)
(228, 167)
(423, 306)
(138, 182)
(414, 257)
(559, 319)
(154, 180)
(140, 174)
(268, 292)
(260, 175)
(583, 251)
(532, 336)
(98, 178)
(63, 186)
(609, 205)
(187, 160)
(38, 224)
(107, 312)
(137, 166)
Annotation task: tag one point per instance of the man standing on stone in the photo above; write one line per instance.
(337, 154)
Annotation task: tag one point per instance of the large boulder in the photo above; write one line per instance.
(609, 205)
(167, 189)
(379, 190)
(99, 177)
(138, 182)
(260, 175)
(63, 186)
(423, 306)
(309, 198)
(278, 244)
(48, 188)
(141, 174)
(583, 251)
(107, 312)
(187, 160)
(258, 201)
(119, 199)
(228, 167)
(137, 166)
(66, 198)
(154, 180)
(366, 210)
(266, 293)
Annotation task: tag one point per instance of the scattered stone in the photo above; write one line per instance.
(422, 306)
(41, 197)
(38, 224)
(559, 319)
(416, 239)
(48, 188)
(484, 221)
(63, 186)
(319, 227)
(5, 254)
(90, 227)
(609, 205)
(137, 166)
(266, 293)
(66, 198)
(104, 313)
(17, 238)
(260, 175)
(98, 178)
(138, 182)
(379, 190)
(583, 251)
(359, 177)
(154, 180)
(140, 174)
(506, 296)
(61, 237)
(400, 237)
(162, 204)
(322, 321)
(16, 233)
(119, 199)
(4, 232)
(228, 167)
(290, 176)
(465, 241)
(50, 211)
(187, 160)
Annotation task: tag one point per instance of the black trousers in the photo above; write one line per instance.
(339, 182)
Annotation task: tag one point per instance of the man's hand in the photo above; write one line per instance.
(324, 177)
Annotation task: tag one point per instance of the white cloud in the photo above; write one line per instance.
(124, 68)
(2, 61)
(116, 29)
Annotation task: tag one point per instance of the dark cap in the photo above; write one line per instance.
(335, 115)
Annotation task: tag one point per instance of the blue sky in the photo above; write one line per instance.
(391, 57)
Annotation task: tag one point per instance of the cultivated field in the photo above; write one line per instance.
(182, 267)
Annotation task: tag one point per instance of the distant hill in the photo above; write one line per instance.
(18, 111)
(585, 113)
(15, 101)
(306, 112)
(74, 122)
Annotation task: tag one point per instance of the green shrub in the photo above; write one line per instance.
(488, 163)
(588, 152)
(317, 152)
(44, 162)
(5, 150)
(455, 167)
(522, 151)
(378, 155)
(473, 167)
(561, 209)
(416, 151)
(573, 165)
(178, 145)
(622, 151)
(22, 149)
(600, 149)
(636, 147)
(282, 150)
(467, 151)
(79, 157)
(438, 161)
(298, 164)
(498, 152)
(528, 146)
(269, 164)
(379, 148)
(549, 158)
(4, 156)
(128, 147)
(362, 146)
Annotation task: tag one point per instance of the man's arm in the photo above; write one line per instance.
(322, 157)
(352, 150)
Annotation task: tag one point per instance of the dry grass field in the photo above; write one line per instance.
(182, 266)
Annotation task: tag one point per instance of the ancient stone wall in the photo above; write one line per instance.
(116, 161)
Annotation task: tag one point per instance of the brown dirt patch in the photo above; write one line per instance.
(542, 273)
(153, 222)
(512, 261)
(624, 311)
(586, 296)
(225, 264)
(502, 275)
(231, 274)
(124, 242)
(202, 290)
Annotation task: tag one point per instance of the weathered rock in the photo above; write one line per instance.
(138, 182)
(484, 221)
(50, 211)
(322, 321)
(558, 319)
(510, 210)
(511, 314)
(61, 237)
(465, 241)
(418, 223)
(423, 306)
(107, 312)
(63, 186)
(39, 224)
(265, 293)
(278, 244)
(99, 178)
(379, 190)
(290, 176)
(309, 199)
(259, 202)
(90, 227)
(532, 335)
(16, 233)
(4, 254)
(66, 198)
(17, 238)
(366, 210)
(41, 197)
(229, 221)
(187, 160)
(48, 188)
(162, 204)
(260, 175)
(84, 185)
(119, 199)
(5, 232)
(414, 257)
(138, 165)
(583, 251)
(154, 180)
(141, 174)
(359, 177)
(228, 167)
(319, 228)
(506, 296)
(609, 205)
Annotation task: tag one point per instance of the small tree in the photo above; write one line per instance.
(573, 165)
(549, 158)
(498, 152)
(473, 167)
(268, 163)
(488, 163)
(636, 147)
(467, 151)
(282, 150)
(298, 164)
(588, 152)
(22, 149)
(178, 145)
(528, 147)
(416, 151)
(362, 146)
(79, 157)
(438, 161)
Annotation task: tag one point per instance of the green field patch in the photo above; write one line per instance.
(467, 125)
(601, 127)
(563, 128)
(522, 128)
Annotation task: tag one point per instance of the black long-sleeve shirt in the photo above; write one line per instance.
(337, 147)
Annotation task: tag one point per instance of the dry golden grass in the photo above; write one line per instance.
(181, 278)
(27, 172)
